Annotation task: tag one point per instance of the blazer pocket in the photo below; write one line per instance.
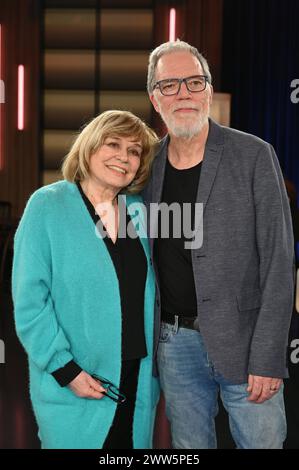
(249, 299)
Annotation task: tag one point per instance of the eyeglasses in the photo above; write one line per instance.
(172, 86)
(112, 391)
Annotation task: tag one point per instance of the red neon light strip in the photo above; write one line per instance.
(21, 97)
(172, 21)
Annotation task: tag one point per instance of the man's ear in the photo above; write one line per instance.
(154, 103)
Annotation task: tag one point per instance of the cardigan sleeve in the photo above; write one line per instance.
(67, 374)
(36, 322)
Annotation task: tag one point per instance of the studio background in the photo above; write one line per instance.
(82, 57)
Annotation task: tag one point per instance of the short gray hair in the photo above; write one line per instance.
(168, 48)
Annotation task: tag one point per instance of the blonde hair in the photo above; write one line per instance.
(112, 123)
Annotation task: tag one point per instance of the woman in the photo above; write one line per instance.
(84, 295)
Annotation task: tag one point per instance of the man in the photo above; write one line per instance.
(224, 306)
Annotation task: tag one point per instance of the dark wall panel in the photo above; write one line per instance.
(21, 45)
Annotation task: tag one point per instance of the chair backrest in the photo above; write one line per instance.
(5, 211)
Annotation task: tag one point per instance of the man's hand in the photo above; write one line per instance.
(85, 386)
(262, 388)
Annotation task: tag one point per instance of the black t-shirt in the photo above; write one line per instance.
(172, 258)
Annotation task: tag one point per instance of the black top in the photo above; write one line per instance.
(131, 268)
(173, 260)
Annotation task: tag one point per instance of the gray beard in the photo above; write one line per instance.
(187, 131)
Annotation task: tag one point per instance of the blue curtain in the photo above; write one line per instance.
(260, 60)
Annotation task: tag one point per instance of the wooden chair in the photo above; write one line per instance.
(6, 234)
(5, 212)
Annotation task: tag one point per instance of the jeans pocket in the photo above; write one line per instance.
(165, 332)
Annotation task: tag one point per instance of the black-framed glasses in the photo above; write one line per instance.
(172, 86)
(112, 391)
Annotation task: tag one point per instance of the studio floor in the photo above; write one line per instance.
(17, 425)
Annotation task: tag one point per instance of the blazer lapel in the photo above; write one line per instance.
(211, 160)
(159, 171)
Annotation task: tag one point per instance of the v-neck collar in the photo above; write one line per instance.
(95, 216)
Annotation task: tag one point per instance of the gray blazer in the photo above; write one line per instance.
(244, 270)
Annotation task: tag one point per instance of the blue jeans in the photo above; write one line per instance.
(191, 385)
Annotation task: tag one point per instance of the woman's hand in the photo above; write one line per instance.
(85, 386)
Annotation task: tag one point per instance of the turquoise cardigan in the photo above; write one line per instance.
(67, 307)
